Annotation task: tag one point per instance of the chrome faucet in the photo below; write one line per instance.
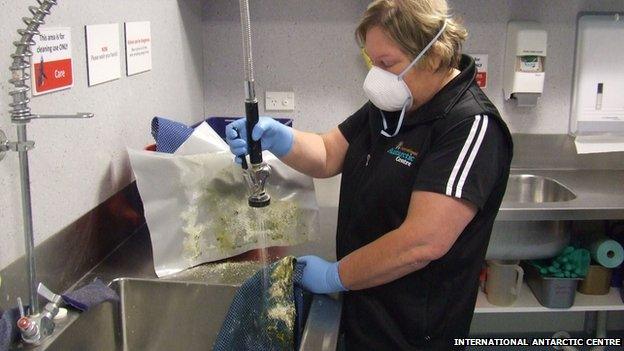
(258, 173)
(35, 328)
(20, 116)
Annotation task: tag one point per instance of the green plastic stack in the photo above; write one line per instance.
(570, 263)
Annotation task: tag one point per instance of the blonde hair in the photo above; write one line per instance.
(412, 24)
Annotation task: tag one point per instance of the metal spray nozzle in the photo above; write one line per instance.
(256, 177)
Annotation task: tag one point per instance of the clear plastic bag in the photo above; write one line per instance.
(196, 207)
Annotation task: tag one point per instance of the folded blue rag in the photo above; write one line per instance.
(8, 328)
(169, 135)
(260, 319)
(90, 295)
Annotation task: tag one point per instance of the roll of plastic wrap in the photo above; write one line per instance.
(608, 253)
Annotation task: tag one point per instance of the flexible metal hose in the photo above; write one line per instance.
(20, 114)
(21, 59)
(246, 31)
(248, 57)
(258, 171)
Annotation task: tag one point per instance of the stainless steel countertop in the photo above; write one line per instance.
(597, 180)
(599, 195)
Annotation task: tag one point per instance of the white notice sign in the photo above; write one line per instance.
(138, 47)
(103, 61)
(481, 63)
(51, 68)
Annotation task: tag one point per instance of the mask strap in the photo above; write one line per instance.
(383, 120)
(399, 124)
(424, 51)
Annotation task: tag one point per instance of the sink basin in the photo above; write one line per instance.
(527, 240)
(524, 240)
(166, 315)
(528, 188)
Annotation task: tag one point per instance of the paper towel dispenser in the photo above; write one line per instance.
(525, 62)
(598, 85)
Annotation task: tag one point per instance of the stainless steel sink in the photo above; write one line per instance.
(167, 315)
(524, 240)
(528, 188)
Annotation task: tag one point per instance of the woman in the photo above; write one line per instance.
(424, 167)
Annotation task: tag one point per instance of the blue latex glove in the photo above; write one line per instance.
(274, 136)
(320, 276)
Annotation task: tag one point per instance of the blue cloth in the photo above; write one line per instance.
(169, 135)
(8, 328)
(90, 295)
(248, 325)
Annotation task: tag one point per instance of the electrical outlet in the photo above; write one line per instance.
(279, 101)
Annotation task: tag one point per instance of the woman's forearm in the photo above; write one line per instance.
(384, 260)
(314, 155)
(433, 224)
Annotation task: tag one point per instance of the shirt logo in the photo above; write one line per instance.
(404, 155)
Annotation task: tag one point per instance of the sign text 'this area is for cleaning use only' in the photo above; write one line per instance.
(52, 62)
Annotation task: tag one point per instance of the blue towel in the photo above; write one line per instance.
(90, 295)
(169, 135)
(8, 328)
(250, 323)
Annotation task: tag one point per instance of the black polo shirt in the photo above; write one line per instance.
(457, 145)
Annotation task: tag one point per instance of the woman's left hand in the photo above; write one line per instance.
(320, 276)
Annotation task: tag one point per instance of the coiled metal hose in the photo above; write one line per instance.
(21, 60)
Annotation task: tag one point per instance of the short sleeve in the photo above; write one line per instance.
(466, 161)
(355, 123)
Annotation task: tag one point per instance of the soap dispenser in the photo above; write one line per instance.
(525, 62)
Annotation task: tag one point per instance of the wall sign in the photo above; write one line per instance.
(51, 68)
(138, 47)
(481, 62)
(103, 61)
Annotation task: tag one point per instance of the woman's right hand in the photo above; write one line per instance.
(273, 135)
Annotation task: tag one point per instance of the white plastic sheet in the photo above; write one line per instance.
(196, 204)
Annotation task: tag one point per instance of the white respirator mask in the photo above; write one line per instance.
(389, 92)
